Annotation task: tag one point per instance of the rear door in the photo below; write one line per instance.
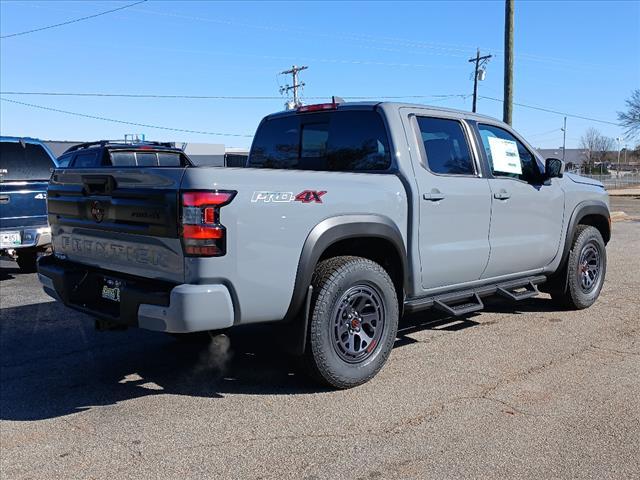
(119, 219)
(455, 203)
(25, 169)
(527, 212)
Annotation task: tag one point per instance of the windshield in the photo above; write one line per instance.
(28, 162)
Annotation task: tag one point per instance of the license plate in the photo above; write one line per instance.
(10, 239)
(111, 289)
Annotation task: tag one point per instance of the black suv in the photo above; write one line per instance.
(114, 153)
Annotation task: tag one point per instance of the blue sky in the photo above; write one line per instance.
(577, 57)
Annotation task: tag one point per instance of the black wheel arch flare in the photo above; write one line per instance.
(591, 212)
(333, 230)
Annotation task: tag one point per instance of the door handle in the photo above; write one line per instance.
(502, 195)
(434, 195)
(4, 199)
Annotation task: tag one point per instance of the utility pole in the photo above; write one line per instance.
(507, 107)
(480, 62)
(295, 86)
(564, 138)
(619, 139)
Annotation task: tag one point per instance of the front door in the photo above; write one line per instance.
(455, 204)
(527, 211)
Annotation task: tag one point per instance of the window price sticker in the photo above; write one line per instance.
(505, 156)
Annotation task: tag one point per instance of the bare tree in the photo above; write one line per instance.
(596, 146)
(630, 119)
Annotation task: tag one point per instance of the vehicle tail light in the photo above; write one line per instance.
(317, 107)
(202, 233)
(335, 101)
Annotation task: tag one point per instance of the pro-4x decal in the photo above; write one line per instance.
(306, 196)
(309, 196)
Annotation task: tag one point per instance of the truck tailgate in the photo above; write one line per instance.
(123, 220)
(22, 204)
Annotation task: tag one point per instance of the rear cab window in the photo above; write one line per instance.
(98, 157)
(24, 161)
(349, 140)
(146, 159)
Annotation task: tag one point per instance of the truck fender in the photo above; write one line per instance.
(335, 229)
(588, 207)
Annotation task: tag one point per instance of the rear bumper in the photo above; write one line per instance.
(144, 303)
(192, 308)
(30, 237)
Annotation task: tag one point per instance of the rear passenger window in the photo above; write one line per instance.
(336, 141)
(445, 146)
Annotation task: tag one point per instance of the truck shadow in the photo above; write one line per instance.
(8, 272)
(53, 362)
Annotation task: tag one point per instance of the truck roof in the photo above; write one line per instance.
(20, 139)
(370, 104)
(121, 144)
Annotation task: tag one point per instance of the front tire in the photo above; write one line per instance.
(353, 323)
(584, 273)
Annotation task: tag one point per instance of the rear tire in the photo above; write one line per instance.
(27, 260)
(353, 321)
(583, 275)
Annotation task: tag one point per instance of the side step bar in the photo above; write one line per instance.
(469, 304)
(463, 302)
(519, 293)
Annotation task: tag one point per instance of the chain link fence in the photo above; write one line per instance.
(627, 178)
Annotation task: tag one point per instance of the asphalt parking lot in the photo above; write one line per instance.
(519, 390)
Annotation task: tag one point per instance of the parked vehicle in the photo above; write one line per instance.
(120, 153)
(347, 216)
(25, 167)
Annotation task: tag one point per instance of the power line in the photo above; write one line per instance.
(75, 20)
(548, 110)
(143, 95)
(447, 49)
(125, 122)
(218, 97)
(548, 132)
(460, 51)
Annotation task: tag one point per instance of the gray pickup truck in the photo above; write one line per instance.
(346, 217)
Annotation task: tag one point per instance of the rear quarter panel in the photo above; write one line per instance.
(266, 233)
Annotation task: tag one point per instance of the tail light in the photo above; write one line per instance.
(202, 233)
(335, 101)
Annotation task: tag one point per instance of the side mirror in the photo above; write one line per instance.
(553, 168)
